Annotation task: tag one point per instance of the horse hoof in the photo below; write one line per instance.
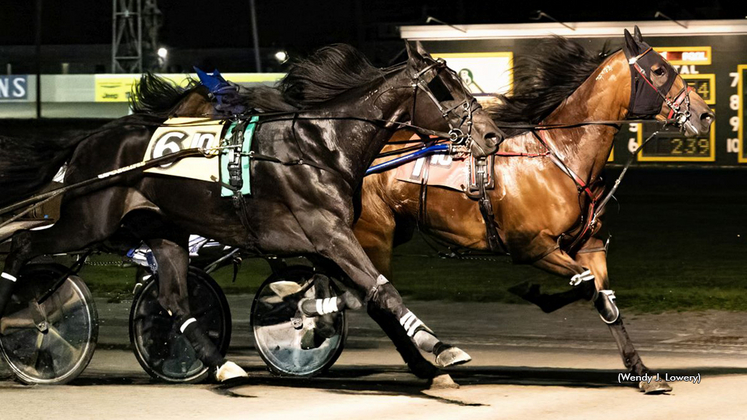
(285, 288)
(443, 381)
(654, 387)
(451, 357)
(228, 371)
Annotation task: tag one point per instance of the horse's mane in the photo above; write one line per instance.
(155, 95)
(544, 79)
(325, 75)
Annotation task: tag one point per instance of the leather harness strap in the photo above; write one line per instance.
(588, 222)
(486, 209)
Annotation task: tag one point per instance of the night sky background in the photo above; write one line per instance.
(302, 26)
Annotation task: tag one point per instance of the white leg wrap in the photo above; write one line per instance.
(425, 341)
(8, 277)
(410, 323)
(186, 324)
(330, 305)
(580, 278)
(381, 280)
(414, 327)
(405, 318)
(326, 306)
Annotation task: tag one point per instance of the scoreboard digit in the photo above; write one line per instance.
(704, 85)
(739, 124)
(672, 146)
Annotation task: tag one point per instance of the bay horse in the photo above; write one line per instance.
(318, 132)
(541, 203)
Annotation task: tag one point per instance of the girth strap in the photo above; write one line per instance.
(236, 143)
(486, 210)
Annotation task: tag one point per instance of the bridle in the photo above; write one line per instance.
(421, 83)
(679, 114)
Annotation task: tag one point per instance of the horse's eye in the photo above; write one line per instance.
(659, 71)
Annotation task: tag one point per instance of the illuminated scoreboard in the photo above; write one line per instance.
(672, 146)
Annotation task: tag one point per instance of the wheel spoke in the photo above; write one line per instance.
(59, 309)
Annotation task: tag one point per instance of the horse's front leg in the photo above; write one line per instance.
(561, 264)
(375, 231)
(337, 243)
(173, 295)
(610, 314)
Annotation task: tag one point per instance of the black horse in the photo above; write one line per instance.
(318, 132)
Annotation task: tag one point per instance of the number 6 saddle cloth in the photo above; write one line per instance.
(188, 133)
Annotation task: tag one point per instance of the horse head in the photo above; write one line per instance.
(438, 88)
(657, 90)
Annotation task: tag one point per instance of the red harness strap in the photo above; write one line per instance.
(582, 186)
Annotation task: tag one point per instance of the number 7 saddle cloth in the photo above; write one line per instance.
(442, 170)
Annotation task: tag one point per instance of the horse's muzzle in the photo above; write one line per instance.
(699, 124)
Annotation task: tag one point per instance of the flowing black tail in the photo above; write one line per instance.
(28, 165)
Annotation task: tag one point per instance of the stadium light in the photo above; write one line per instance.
(281, 56)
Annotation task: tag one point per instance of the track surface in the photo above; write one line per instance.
(526, 363)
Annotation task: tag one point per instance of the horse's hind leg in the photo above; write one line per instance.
(173, 263)
(610, 314)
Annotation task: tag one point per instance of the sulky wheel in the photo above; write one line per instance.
(290, 343)
(49, 329)
(160, 348)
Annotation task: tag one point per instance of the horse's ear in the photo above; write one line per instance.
(416, 52)
(637, 34)
(630, 45)
(415, 61)
(423, 53)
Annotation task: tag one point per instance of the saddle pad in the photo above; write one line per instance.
(185, 133)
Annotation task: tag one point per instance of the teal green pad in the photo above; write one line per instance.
(246, 189)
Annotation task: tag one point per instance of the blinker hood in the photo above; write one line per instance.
(645, 100)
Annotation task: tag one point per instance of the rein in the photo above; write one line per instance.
(37, 200)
